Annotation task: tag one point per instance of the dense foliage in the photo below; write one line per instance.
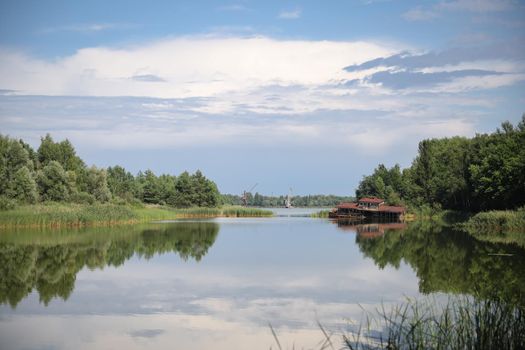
(55, 173)
(482, 173)
(259, 200)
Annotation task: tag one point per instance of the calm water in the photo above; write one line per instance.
(219, 283)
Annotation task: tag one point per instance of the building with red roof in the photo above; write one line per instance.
(368, 207)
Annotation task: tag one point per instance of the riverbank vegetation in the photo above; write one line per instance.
(458, 173)
(505, 226)
(459, 323)
(107, 214)
(321, 214)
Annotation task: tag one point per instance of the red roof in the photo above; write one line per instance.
(347, 205)
(371, 200)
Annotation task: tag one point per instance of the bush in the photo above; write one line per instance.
(82, 198)
(7, 203)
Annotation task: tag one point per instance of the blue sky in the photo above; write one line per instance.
(309, 95)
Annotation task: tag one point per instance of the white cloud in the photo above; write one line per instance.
(292, 14)
(189, 66)
(212, 90)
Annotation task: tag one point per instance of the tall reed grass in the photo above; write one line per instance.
(320, 214)
(499, 220)
(78, 215)
(459, 323)
(463, 323)
(497, 226)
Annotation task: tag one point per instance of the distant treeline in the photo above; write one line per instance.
(55, 173)
(486, 172)
(259, 200)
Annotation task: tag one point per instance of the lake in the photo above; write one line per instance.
(201, 284)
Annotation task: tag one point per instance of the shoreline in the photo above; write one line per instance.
(61, 215)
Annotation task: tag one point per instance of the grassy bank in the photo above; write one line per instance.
(497, 220)
(502, 226)
(78, 215)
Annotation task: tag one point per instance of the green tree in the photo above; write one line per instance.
(97, 184)
(122, 183)
(497, 167)
(53, 182)
(184, 194)
(385, 183)
(150, 188)
(62, 152)
(204, 191)
(13, 157)
(24, 186)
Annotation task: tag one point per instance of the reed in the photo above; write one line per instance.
(79, 215)
(320, 214)
(501, 226)
(237, 211)
(457, 323)
(498, 220)
(460, 323)
(57, 215)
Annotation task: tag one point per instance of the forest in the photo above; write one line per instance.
(482, 173)
(55, 173)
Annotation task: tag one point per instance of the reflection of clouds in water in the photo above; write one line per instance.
(157, 331)
(146, 333)
(224, 301)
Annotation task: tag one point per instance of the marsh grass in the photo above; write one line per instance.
(57, 215)
(498, 220)
(501, 226)
(462, 323)
(459, 323)
(237, 211)
(79, 215)
(320, 214)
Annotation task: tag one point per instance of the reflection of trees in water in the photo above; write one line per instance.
(449, 261)
(51, 268)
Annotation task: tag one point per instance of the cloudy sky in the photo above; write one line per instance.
(309, 95)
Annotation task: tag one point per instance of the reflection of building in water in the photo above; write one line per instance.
(369, 230)
(372, 207)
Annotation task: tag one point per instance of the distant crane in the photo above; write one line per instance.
(288, 202)
(244, 197)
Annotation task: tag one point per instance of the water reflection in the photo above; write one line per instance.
(446, 260)
(48, 261)
(290, 271)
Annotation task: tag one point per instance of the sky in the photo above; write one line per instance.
(305, 95)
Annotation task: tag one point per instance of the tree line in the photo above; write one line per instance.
(54, 172)
(259, 200)
(486, 172)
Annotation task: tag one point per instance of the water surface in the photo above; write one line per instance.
(200, 284)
